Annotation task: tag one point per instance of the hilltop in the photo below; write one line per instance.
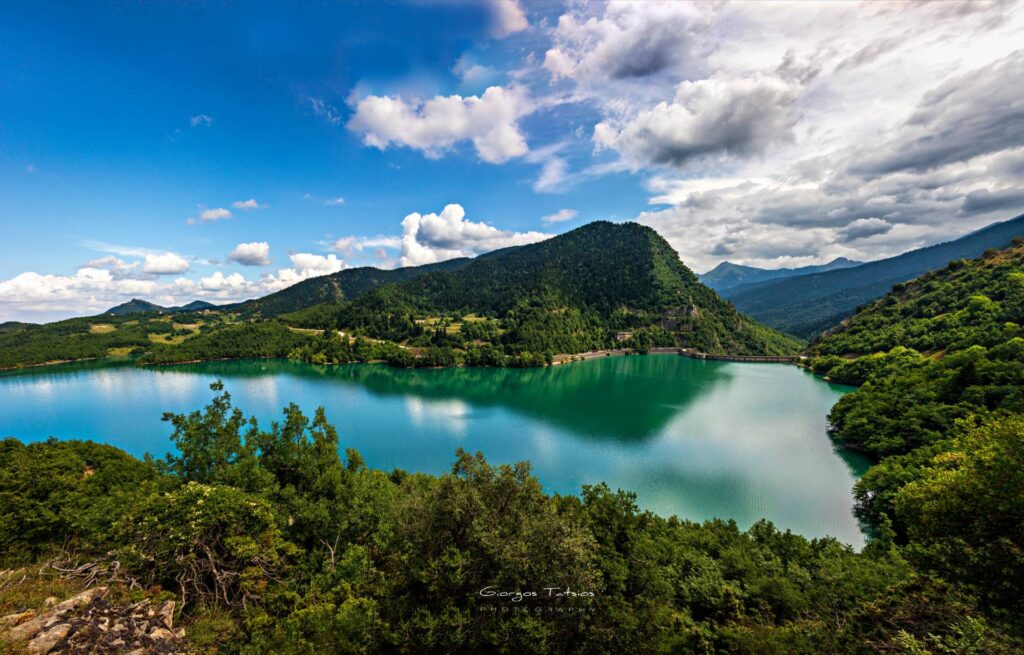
(570, 293)
(728, 276)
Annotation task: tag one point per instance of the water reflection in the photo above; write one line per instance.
(695, 439)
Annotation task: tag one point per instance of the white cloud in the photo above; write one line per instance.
(215, 214)
(560, 216)
(507, 17)
(707, 118)
(429, 238)
(335, 202)
(201, 120)
(31, 295)
(246, 205)
(776, 139)
(255, 253)
(220, 282)
(436, 125)
(166, 264)
(118, 268)
(312, 265)
(353, 244)
(627, 40)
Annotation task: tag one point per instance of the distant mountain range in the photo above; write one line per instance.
(727, 275)
(806, 305)
(136, 306)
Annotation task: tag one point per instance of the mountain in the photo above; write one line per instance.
(137, 306)
(14, 326)
(343, 285)
(977, 302)
(599, 277)
(809, 304)
(727, 275)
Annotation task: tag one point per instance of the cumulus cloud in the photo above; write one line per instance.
(220, 282)
(215, 214)
(862, 228)
(507, 18)
(351, 245)
(118, 268)
(312, 265)
(201, 120)
(560, 216)
(629, 40)
(915, 135)
(31, 295)
(489, 121)
(246, 205)
(740, 116)
(167, 263)
(254, 253)
(429, 238)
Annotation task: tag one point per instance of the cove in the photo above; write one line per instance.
(696, 439)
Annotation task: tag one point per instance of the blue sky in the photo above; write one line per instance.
(223, 151)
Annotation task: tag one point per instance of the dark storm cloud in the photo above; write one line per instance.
(863, 228)
(970, 115)
(983, 200)
(649, 49)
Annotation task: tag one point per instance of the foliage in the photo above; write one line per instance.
(979, 302)
(75, 339)
(964, 514)
(63, 490)
(267, 339)
(277, 544)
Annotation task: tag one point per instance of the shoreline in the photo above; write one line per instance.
(557, 360)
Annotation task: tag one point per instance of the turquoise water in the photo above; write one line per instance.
(697, 439)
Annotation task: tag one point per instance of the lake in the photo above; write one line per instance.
(697, 439)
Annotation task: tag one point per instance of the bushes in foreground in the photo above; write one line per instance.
(278, 544)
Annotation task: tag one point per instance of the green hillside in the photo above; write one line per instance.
(336, 287)
(808, 305)
(940, 364)
(567, 294)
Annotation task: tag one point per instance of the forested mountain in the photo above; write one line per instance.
(941, 405)
(336, 287)
(809, 304)
(970, 302)
(727, 275)
(567, 294)
(137, 306)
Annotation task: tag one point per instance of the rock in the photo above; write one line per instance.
(12, 620)
(51, 601)
(166, 614)
(159, 634)
(77, 601)
(49, 618)
(45, 642)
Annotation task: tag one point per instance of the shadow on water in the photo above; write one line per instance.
(648, 393)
